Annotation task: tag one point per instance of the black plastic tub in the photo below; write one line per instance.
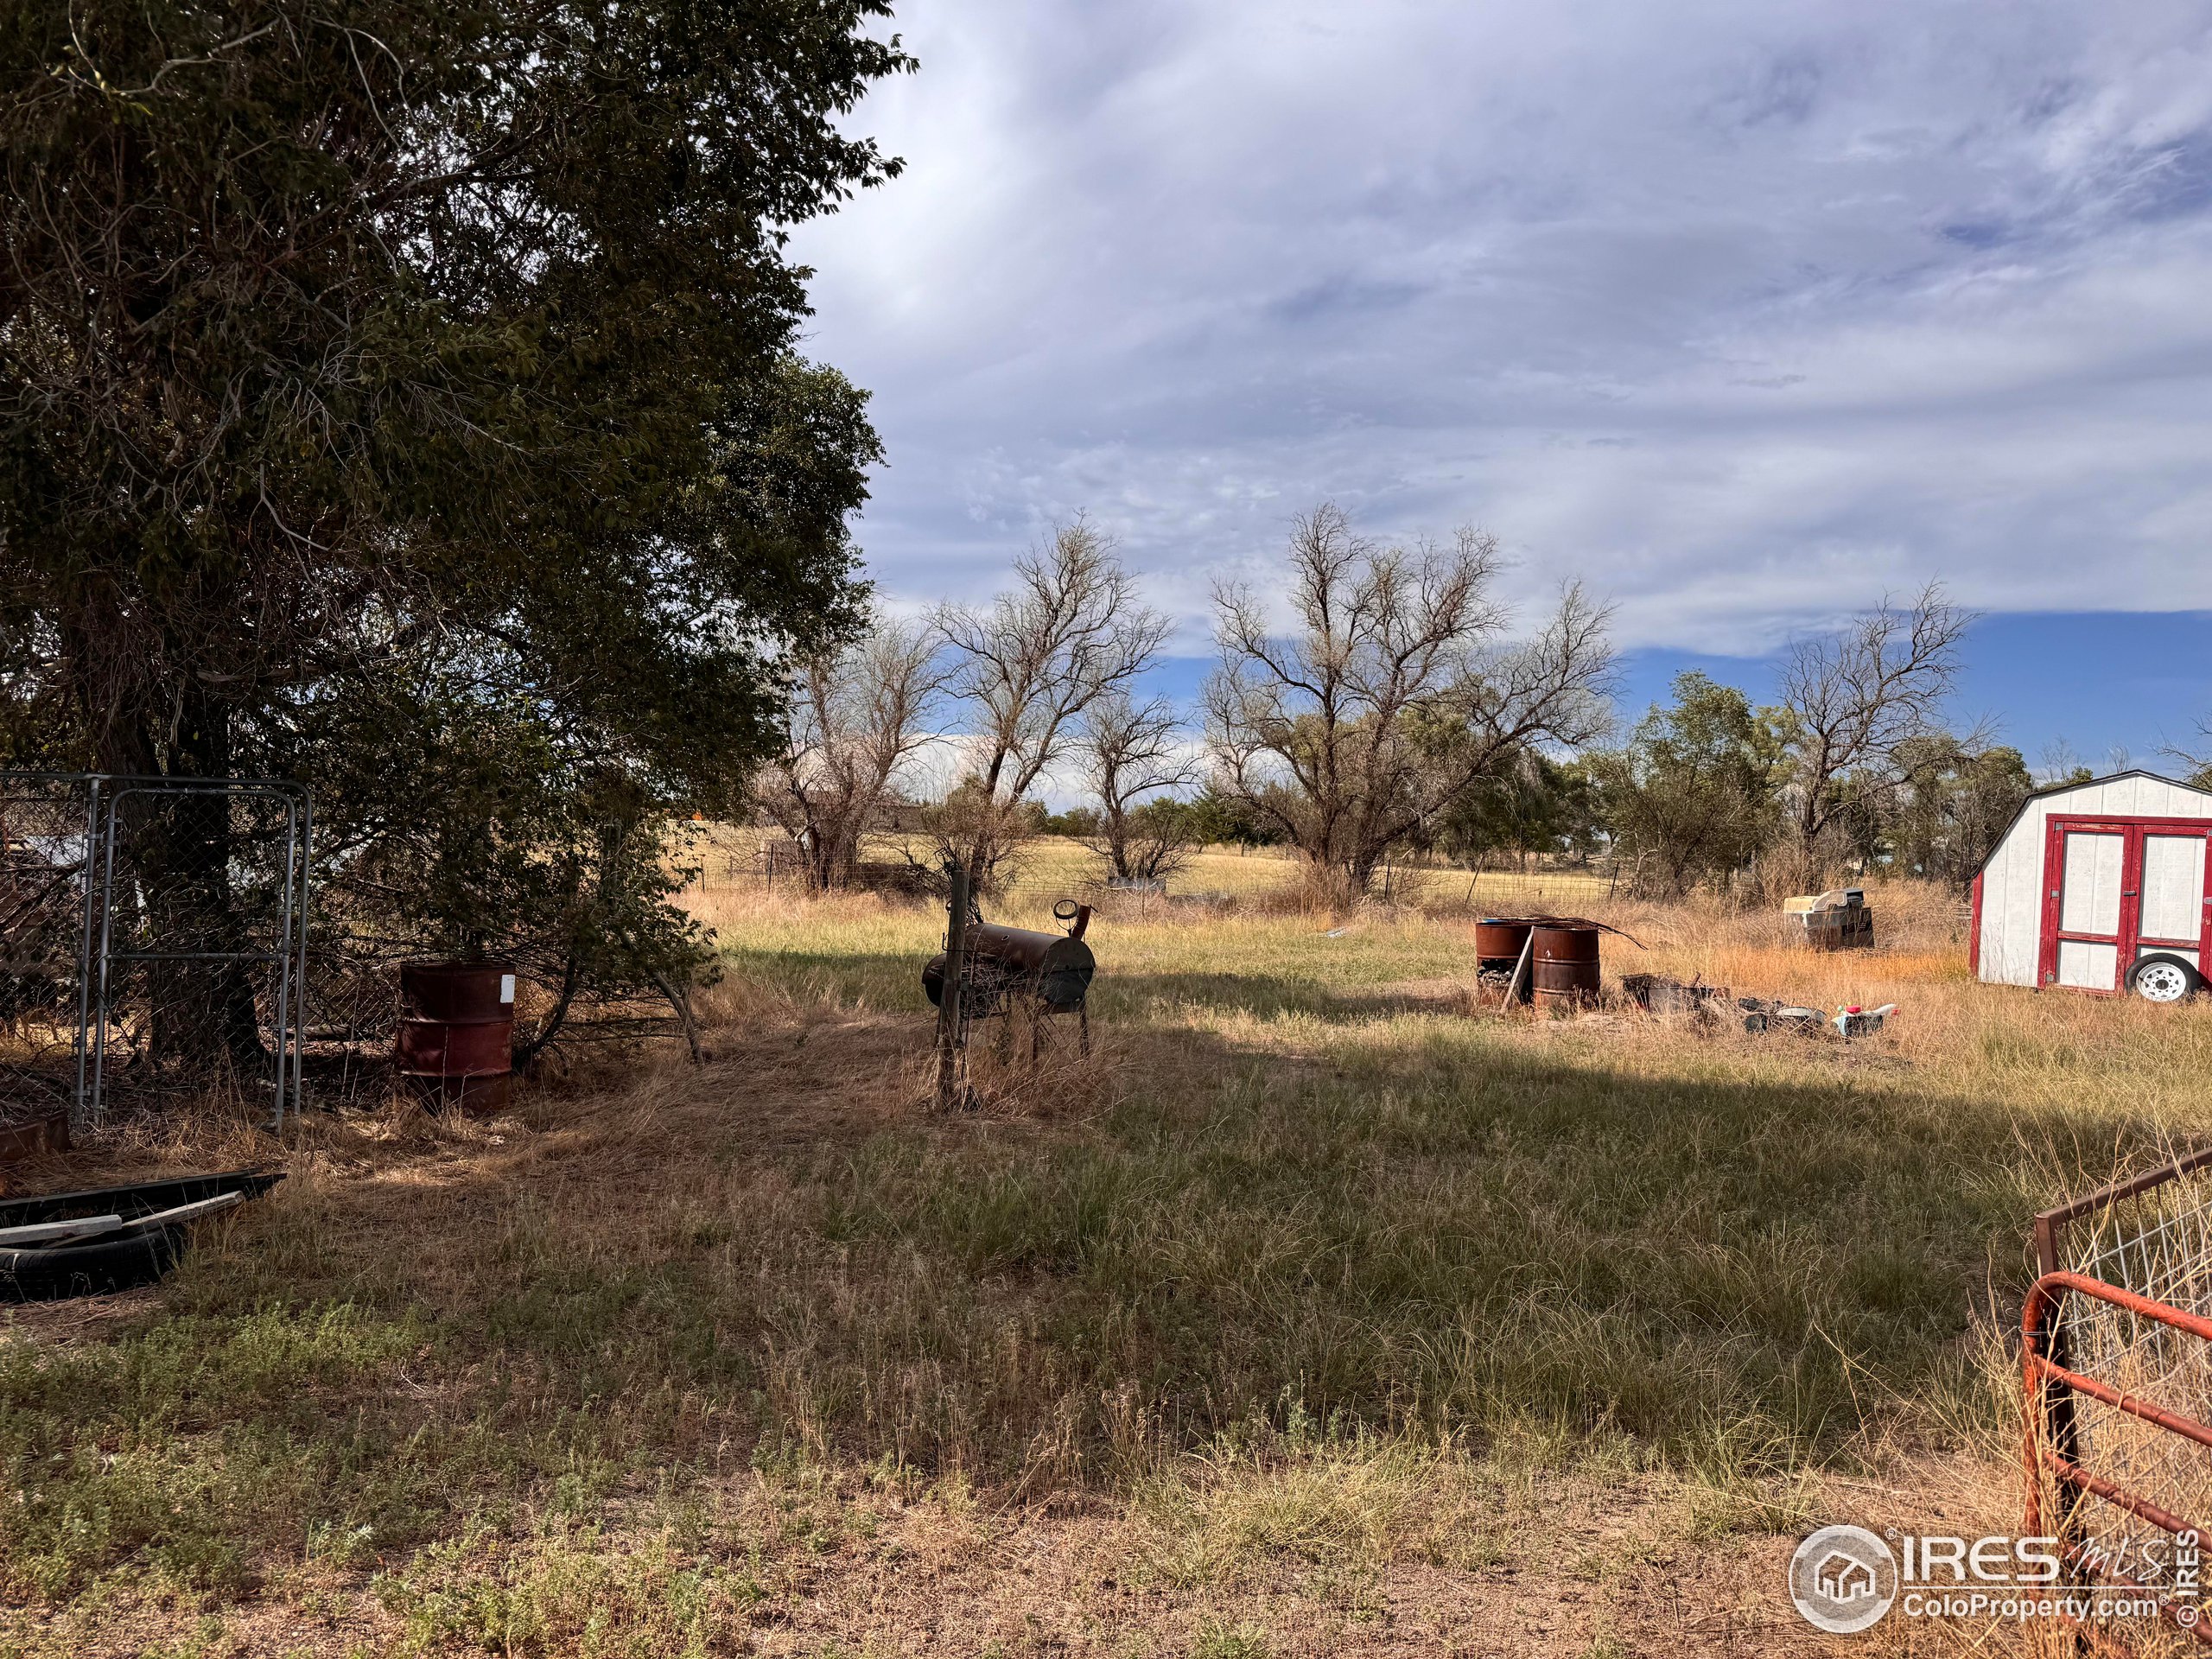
(35, 1275)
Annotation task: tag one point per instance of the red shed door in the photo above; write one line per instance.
(2116, 888)
(2087, 896)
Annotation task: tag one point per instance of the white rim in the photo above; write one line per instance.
(2161, 982)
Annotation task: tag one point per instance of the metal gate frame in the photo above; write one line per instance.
(90, 784)
(2046, 1381)
(2051, 1440)
(286, 957)
(99, 953)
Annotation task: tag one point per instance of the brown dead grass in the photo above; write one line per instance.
(821, 1500)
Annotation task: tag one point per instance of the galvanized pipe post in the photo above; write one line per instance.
(949, 1010)
(79, 1111)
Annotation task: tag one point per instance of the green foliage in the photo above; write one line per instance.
(401, 396)
(1695, 793)
(1531, 803)
(1949, 806)
(1218, 819)
(1075, 821)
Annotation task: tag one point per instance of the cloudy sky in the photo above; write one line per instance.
(1744, 312)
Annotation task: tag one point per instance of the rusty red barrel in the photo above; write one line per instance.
(457, 1033)
(1566, 963)
(1499, 940)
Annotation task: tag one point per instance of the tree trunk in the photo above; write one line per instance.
(180, 847)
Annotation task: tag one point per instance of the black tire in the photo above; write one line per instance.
(89, 1269)
(2162, 977)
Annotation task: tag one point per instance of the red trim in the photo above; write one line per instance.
(2045, 1385)
(2054, 882)
(1974, 931)
(2126, 821)
(2129, 939)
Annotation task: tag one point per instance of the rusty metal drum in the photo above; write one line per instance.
(1499, 940)
(457, 1033)
(1566, 963)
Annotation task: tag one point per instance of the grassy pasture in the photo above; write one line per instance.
(1323, 1312)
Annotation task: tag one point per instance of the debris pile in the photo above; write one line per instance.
(1656, 994)
(1763, 1015)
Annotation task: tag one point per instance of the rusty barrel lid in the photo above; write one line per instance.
(1500, 938)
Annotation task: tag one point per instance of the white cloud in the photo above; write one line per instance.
(1746, 313)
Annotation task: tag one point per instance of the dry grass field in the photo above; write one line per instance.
(1322, 1312)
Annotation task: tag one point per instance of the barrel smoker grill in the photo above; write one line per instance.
(1006, 968)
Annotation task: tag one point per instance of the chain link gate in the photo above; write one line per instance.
(49, 828)
(153, 936)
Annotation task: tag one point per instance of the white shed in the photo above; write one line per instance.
(2093, 881)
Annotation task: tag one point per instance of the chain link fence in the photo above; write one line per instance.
(47, 877)
(152, 944)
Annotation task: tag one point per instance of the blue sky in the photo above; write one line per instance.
(2114, 688)
(1746, 314)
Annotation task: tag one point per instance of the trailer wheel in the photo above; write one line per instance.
(2163, 979)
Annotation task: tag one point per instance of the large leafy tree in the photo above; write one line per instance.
(1697, 790)
(402, 395)
(1951, 798)
(1530, 803)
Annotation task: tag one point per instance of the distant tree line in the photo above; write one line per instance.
(1377, 704)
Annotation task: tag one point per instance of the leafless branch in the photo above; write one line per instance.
(1855, 695)
(858, 714)
(1132, 752)
(1070, 632)
(1393, 691)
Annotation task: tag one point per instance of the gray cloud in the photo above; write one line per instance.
(1746, 313)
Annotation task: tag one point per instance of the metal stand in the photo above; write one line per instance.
(951, 1014)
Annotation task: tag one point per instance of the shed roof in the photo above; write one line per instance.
(2050, 790)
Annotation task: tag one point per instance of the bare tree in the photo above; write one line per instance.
(1395, 690)
(2198, 761)
(1855, 696)
(1132, 754)
(1027, 670)
(857, 715)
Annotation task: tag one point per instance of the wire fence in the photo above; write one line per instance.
(47, 871)
(153, 933)
(2155, 1241)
